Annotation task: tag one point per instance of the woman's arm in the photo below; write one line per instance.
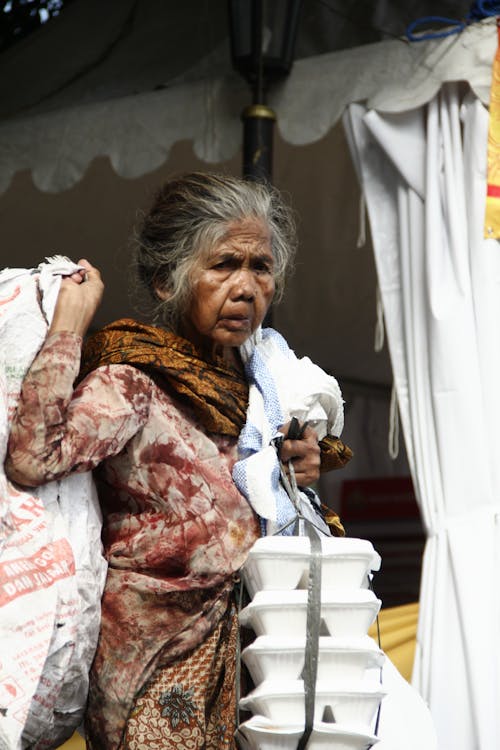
(57, 430)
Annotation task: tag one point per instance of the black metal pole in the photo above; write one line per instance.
(258, 121)
(258, 132)
(258, 127)
(258, 118)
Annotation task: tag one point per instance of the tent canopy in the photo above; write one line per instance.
(147, 74)
(56, 149)
(142, 45)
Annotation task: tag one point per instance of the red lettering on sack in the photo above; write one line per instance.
(12, 296)
(29, 509)
(10, 691)
(49, 564)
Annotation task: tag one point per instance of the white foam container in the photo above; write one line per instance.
(340, 660)
(283, 702)
(258, 733)
(280, 562)
(284, 613)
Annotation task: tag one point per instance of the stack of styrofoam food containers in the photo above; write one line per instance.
(348, 690)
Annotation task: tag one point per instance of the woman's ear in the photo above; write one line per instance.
(161, 292)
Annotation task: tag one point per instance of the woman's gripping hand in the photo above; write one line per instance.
(79, 297)
(304, 454)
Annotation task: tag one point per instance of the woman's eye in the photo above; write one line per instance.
(262, 267)
(223, 264)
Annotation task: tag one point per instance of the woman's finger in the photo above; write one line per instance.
(78, 300)
(305, 456)
(298, 448)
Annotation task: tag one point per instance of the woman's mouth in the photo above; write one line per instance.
(235, 322)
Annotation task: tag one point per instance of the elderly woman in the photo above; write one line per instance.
(156, 412)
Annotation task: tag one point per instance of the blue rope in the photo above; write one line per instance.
(456, 27)
(483, 9)
(480, 9)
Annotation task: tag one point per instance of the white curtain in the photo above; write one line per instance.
(423, 176)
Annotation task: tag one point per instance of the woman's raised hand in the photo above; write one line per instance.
(78, 300)
(304, 453)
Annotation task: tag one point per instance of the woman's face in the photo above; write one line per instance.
(233, 286)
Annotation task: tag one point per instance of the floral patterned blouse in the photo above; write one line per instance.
(175, 528)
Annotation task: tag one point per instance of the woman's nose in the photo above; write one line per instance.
(244, 284)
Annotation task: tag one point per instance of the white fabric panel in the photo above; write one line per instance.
(439, 282)
(402, 133)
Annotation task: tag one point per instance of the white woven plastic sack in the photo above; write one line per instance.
(51, 567)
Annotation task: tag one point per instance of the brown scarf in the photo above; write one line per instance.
(217, 393)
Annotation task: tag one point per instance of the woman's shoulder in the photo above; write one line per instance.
(121, 389)
(125, 341)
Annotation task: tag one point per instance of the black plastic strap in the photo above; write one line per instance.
(310, 671)
(313, 618)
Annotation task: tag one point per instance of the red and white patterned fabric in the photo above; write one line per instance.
(175, 531)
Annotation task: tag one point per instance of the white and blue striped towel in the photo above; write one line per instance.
(282, 386)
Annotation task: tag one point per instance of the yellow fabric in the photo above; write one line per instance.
(398, 631)
(75, 743)
(492, 216)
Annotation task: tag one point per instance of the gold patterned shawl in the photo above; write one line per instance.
(217, 393)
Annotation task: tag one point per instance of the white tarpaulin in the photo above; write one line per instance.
(423, 173)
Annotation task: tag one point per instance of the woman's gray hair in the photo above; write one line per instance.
(189, 215)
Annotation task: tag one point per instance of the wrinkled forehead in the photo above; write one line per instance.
(250, 233)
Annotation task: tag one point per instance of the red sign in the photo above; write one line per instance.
(376, 499)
